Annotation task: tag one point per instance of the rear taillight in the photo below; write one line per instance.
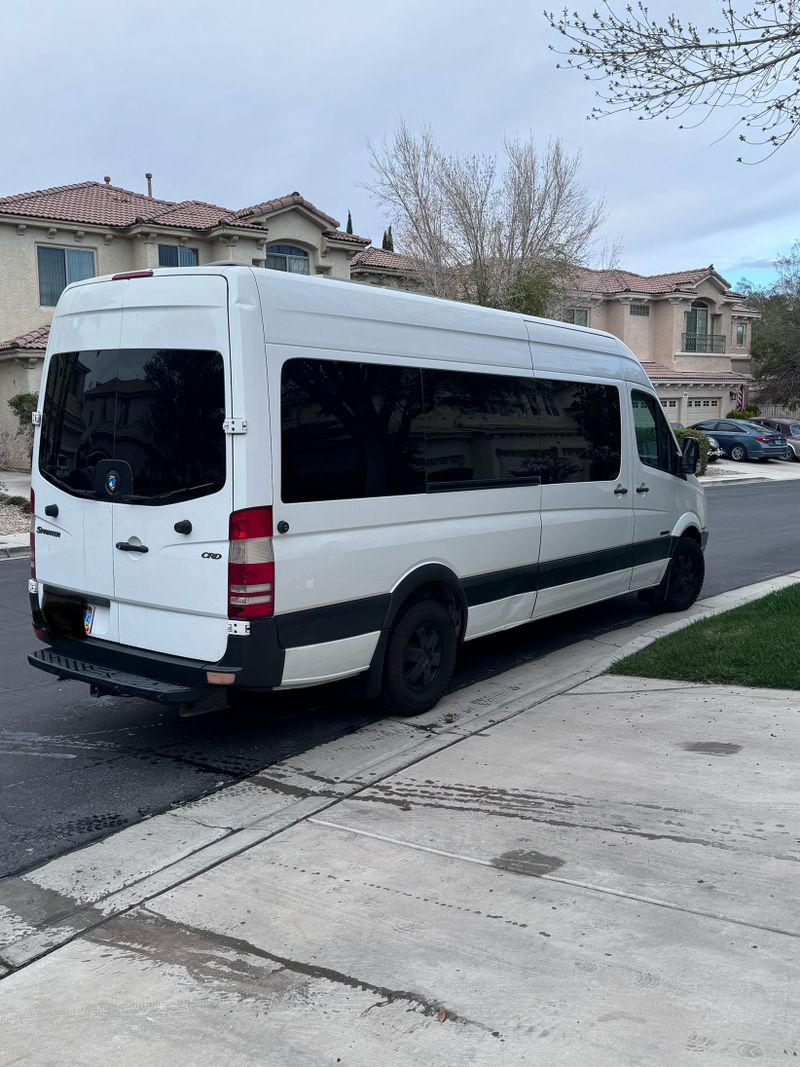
(764, 440)
(251, 567)
(33, 535)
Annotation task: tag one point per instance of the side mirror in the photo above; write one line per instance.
(690, 456)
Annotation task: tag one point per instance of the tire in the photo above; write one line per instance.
(738, 453)
(420, 658)
(789, 454)
(684, 579)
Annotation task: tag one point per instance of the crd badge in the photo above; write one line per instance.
(212, 555)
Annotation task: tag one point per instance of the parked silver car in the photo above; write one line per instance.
(790, 428)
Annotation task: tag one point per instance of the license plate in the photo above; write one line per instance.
(88, 619)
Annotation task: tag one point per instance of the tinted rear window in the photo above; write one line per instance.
(154, 416)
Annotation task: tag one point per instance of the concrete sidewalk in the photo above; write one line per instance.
(552, 867)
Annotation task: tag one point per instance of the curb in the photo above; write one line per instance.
(14, 551)
(53, 904)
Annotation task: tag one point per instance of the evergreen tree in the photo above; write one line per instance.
(389, 246)
(349, 223)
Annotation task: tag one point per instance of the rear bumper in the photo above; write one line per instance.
(118, 683)
(255, 661)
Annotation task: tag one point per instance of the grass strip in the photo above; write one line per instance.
(754, 645)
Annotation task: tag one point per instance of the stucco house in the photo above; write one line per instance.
(689, 329)
(51, 237)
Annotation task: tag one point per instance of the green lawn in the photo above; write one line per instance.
(756, 645)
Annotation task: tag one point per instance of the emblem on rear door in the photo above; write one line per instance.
(112, 482)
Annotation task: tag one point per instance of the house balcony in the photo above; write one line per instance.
(703, 342)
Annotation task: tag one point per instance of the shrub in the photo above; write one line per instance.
(20, 502)
(700, 437)
(23, 405)
(748, 413)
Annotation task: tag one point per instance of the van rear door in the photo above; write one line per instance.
(174, 462)
(134, 456)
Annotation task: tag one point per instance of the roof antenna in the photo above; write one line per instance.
(149, 177)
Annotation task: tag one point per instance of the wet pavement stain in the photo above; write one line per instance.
(527, 862)
(235, 966)
(712, 748)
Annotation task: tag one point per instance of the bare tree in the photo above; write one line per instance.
(749, 62)
(476, 227)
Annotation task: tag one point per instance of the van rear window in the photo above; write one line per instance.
(152, 416)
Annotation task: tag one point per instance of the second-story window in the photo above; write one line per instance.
(578, 316)
(741, 334)
(176, 256)
(60, 266)
(288, 257)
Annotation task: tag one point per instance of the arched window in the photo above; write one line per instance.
(288, 257)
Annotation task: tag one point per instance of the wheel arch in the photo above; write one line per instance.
(428, 580)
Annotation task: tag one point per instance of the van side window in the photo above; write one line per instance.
(579, 432)
(350, 430)
(480, 429)
(653, 438)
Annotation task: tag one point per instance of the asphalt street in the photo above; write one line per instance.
(74, 768)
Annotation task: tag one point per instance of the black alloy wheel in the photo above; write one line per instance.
(686, 574)
(420, 658)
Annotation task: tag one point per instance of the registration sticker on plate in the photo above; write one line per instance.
(88, 619)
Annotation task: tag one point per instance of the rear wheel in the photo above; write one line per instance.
(420, 658)
(685, 576)
(738, 452)
(789, 453)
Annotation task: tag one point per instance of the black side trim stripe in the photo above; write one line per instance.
(483, 588)
(335, 622)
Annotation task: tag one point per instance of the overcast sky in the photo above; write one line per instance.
(241, 101)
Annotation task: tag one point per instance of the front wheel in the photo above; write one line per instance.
(420, 658)
(738, 452)
(789, 453)
(685, 577)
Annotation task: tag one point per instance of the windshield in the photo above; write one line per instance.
(135, 425)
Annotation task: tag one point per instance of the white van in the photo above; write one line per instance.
(249, 480)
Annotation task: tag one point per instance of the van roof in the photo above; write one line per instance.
(360, 299)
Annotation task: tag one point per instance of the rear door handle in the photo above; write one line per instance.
(620, 490)
(126, 546)
(643, 489)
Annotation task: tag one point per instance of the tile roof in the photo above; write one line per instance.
(280, 203)
(90, 202)
(625, 281)
(34, 340)
(656, 373)
(380, 259)
(96, 203)
(353, 238)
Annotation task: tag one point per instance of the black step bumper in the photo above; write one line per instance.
(117, 683)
